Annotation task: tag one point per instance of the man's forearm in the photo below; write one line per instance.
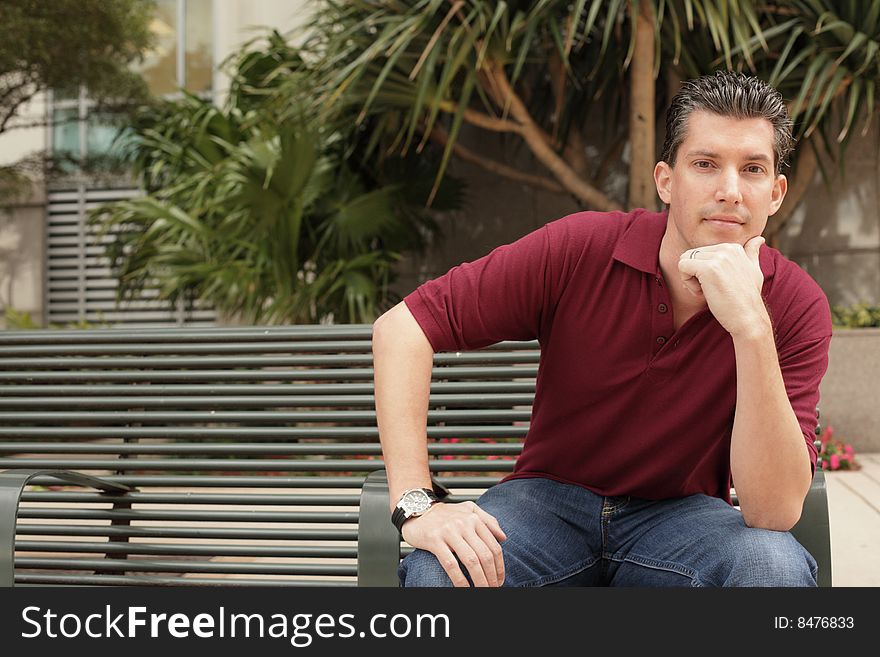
(402, 362)
(768, 458)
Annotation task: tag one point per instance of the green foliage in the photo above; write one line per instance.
(62, 45)
(20, 320)
(407, 67)
(262, 209)
(835, 454)
(413, 64)
(823, 54)
(860, 315)
(67, 43)
(14, 183)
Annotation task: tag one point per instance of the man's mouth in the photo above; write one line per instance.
(725, 219)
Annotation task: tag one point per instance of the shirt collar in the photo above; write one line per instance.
(639, 247)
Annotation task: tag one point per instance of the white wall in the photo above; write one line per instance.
(22, 225)
(236, 22)
(22, 245)
(22, 241)
(15, 142)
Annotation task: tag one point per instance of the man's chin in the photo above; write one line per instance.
(724, 233)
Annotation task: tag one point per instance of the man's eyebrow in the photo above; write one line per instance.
(752, 157)
(703, 153)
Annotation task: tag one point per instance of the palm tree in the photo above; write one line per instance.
(260, 211)
(415, 71)
(823, 55)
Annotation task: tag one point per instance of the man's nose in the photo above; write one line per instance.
(728, 190)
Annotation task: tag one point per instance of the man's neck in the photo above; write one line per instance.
(671, 249)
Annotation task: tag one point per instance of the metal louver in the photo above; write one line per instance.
(79, 283)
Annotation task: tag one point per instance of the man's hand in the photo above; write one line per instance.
(462, 529)
(729, 277)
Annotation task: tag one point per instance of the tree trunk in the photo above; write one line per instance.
(642, 192)
(797, 187)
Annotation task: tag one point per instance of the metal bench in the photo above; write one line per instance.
(237, 456)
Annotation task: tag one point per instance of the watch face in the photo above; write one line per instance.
(415, 501)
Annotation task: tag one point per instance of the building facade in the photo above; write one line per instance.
(52, 265)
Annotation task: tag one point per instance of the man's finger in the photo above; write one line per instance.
(450, 564)
(688, 269)
(484, 554)
(485, 534)
(701, 253)
(492, 523)
(470, 560)
(693, 286)
(753, 248)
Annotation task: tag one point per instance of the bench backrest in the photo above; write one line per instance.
(247, 446)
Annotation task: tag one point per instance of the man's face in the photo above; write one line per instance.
(723, 185)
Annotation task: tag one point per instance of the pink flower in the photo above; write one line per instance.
(835, 461)
(826, 435)
(849, 449)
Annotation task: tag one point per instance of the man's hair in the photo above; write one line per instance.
(728, 94)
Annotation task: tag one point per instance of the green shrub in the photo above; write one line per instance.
(860, 315)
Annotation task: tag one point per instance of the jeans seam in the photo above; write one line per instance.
(552, 579)
(656, 564)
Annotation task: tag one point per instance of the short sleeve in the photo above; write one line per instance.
(803, 355)
(501, 296)
(803, 365)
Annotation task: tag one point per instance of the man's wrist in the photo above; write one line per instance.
(755, 329)
(413, 503)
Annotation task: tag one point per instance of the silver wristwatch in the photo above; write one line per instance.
(413, 502)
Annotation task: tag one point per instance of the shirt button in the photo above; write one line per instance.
(662, 308)
(661, 340)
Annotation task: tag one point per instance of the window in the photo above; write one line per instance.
(181, 58)
(79, 284)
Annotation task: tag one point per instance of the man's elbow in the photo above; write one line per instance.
(381, 322)
(398, 328)
(777, 519)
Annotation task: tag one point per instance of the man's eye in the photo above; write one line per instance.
(755, 169)
(702, 164)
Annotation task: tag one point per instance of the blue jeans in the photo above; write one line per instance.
(565, 535)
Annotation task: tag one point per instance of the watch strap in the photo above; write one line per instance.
(398, 517)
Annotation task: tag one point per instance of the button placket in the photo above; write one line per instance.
(661, 317)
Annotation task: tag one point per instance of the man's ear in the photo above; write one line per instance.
(663, 181)
(777, 195)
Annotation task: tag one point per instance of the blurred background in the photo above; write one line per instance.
(202, 162)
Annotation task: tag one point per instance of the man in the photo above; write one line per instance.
(678, 354)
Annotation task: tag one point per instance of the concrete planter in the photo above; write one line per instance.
(850, 391)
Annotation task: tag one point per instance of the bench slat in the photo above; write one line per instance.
(286, 465)
(120, 580)
(187, 550)
(237, 439)
(162, 376)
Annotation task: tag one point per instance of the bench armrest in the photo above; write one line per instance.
(379, 544)
(813, 530)
(378, 541)
(12, 483)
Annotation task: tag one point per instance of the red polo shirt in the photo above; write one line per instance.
(624, 403)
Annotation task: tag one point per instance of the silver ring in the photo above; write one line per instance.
(693, 253)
